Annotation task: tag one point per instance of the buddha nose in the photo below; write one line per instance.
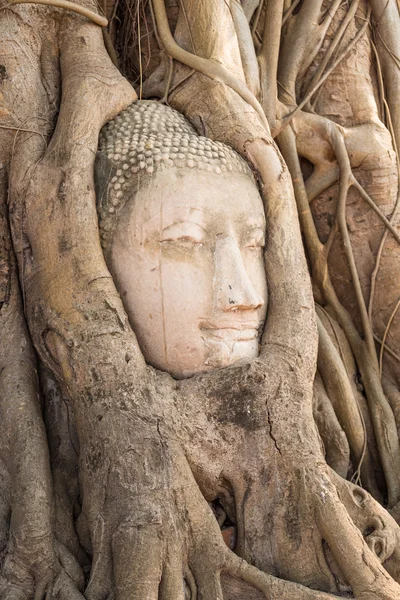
(233, 288)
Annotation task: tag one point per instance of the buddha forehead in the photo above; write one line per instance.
(217, 203)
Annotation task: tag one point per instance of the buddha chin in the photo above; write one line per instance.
(228, 351)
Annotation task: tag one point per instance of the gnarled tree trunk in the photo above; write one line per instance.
(274, 478)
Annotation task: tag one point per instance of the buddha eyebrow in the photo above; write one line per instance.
(253, 224)
(183, 222)
(188, 212)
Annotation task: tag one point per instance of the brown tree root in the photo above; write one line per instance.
(381, 413)
(375, 581)
(378, 528)
(331, 171)
(67, 5)
(264, 487)
(346, 408)
(208, 67)
(147, 519)
(272, 587)
(336, 445)
(25, 483)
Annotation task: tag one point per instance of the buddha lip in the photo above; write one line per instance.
(240, 326)
(233, 331)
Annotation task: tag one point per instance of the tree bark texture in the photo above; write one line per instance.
(278, 478)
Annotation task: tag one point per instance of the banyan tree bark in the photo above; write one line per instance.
(122, 499)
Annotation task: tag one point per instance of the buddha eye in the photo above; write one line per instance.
(184, 239)
(184, 233)
(254, 239)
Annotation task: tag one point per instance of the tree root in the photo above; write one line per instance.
(148, 522)
(208, 67)
(386, 332)
(345, 405)
(336, 445)
(268, 59)
(25, 518)
(66, 5)
(323, 78)
(378, 528)
(381, 413)
(272, 587)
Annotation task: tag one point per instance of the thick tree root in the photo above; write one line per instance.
(336, 446)
(67, 5)
(154, 452)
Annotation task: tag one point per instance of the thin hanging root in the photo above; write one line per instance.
(381, 85)
(208, 67)
(110, 47)
(325, 76)
(289, 11)
(257, 18)
(375, 208)
(65, 4)
(153, 20)
(387, 349)
(334, 44)
(164, 99)
(18, 129)
(332, 51)
(182, 8)
(23, 130)
(392, 316)
(191, 583)
(139, 36)
(378, 258)
(342, 156)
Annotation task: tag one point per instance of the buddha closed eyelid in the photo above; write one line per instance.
(184, 230)
(254, 238)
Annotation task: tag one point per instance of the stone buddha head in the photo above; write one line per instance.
(182, 227)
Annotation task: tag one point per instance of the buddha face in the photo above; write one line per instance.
(187, 258)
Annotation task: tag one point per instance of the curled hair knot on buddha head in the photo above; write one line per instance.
(146, 138)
